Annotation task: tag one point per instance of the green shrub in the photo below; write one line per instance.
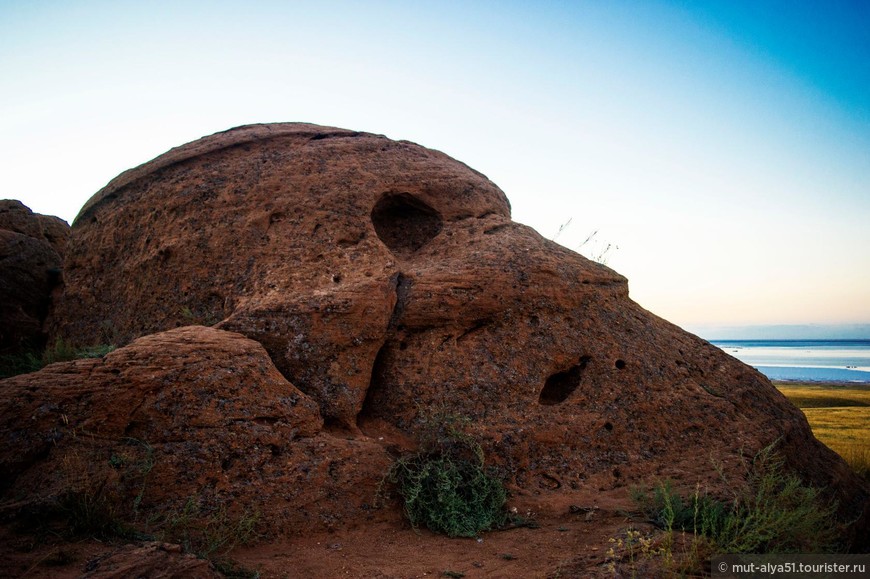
(773, 513)
(60, 351)
(63, 351)
(446, 486)
(15, 364)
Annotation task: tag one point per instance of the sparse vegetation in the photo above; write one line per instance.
(60, 351)
(773, 512)
(93, 507)
(15, 364)
(92, 514)
(446, 486)
(208, 535)
(633, 551)
(591, 247)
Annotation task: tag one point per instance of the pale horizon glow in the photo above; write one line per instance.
(723, 147)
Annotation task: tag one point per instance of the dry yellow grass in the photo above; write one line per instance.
(839, 416)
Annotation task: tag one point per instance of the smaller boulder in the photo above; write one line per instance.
(193, 423)
(31, 258)
(17, 217)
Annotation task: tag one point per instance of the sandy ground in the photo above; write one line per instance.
(571, 540)
(564, 543)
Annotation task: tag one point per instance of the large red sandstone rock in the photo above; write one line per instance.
(31, 255)
(193, 416)
(387, 282)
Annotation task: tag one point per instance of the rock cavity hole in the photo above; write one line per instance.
(561, 385)
(404, 223)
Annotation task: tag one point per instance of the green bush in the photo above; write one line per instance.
(60, 351)
(773, 513)
(446, 486)
(15, 364)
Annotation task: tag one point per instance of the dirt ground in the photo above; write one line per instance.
(570, 539)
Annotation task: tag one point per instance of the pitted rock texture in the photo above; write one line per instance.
(151, 560)
(31, 256)
(387, 282)
(229, 229)
(17, 217)
(191, 414)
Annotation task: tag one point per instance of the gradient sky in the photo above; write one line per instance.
(724, 147)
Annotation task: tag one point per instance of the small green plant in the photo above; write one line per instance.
(446, 486)
(208, 535)
(23, 363)
(60, 351)
(87, 503)
(92, 514)
(135, 469)
(63, 351)
(633, 551)
(774, 512)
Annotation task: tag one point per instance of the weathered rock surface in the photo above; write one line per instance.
(387, 282)
(150, 561)
(31, 255)
(232, 227)
(189, 418)
(16, 217)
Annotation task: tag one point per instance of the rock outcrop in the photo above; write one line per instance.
(386, 282)
(151, 560)
(192, 418)
(31, 255)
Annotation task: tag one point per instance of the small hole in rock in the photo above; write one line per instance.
(561, 385)
(336, 278)
(404, 223)
(608, 426)
(620, 364)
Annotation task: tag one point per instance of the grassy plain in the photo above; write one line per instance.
(839, 415)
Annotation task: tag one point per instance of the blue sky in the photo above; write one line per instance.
(723, 147)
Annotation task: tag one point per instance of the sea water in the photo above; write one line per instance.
(804, 360)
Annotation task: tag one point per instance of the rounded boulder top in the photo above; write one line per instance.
(429, 172)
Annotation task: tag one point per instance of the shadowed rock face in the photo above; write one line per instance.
(31, 252)
(387, 281)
